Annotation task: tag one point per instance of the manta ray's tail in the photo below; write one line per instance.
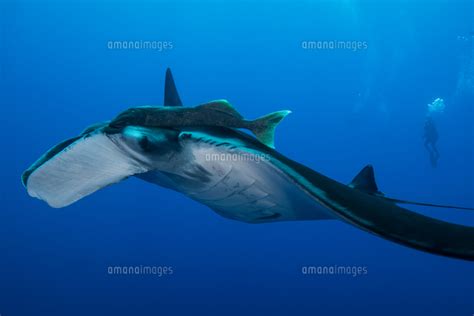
(264, 127)
(380, 215)
(364, 206)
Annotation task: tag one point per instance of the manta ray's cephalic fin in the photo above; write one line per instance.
(171, 93)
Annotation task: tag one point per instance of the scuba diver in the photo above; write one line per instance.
(431, 138)
(430, 135)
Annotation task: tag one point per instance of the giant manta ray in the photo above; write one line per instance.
(201, 153)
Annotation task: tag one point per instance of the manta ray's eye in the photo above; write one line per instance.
(144, 143)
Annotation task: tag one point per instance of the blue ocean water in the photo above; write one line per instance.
(351, 107)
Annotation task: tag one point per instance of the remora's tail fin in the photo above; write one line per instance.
(171, 93)
(264, 127)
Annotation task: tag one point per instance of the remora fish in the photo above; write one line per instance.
(217, 113)
(260, 186)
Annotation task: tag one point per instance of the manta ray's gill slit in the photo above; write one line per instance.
(223, 144)
(197, 176)
(239, 195)
(231, 143)
(232, 189)
(214, 142)
(212, 187)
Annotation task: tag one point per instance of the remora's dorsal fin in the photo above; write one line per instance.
(264, 127)
(222, 106)
(171, 93)
(365, 181)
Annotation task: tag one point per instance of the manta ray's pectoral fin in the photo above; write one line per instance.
(79, 167)
(365, 181)
(171, 93)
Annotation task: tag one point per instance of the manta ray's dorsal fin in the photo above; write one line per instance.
(171, 93)
(365, 181)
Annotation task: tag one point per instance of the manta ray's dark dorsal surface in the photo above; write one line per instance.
(234, 174)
